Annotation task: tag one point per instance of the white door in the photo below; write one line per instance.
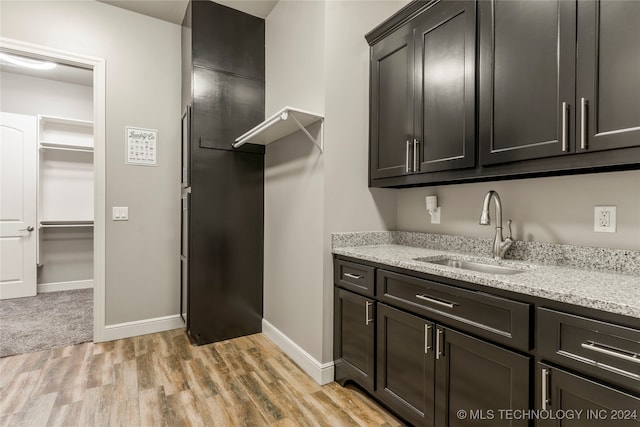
(17, 205)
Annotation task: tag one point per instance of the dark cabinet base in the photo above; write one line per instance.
(586, 403)
(354, 339)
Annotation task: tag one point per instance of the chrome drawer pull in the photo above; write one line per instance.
(352, 276)
(436, 301)
(628, 356)
(427, 334)
(583, 123)
(545, 389)
(416, 153)
(407, 162)
(367, 304)
(564, 127)
(439, 352)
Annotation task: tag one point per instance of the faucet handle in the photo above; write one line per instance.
(509, 226)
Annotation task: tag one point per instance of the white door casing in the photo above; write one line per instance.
(18, 228)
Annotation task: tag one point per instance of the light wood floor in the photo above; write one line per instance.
(162, 380)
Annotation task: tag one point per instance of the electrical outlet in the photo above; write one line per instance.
(435, 216)
(604, 219)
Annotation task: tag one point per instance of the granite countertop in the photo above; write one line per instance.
(607, 290)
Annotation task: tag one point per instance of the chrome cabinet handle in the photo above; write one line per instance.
(427, 335)
(545, 390)
(416, 155)
(352, 276)
(367, 304)
(29, 229)
(436, 301)
(564, 126)
(407, 161)
(599, 348)
(583, 123)
(439, 352)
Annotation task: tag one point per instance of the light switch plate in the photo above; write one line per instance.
(604, 219)
(120, 213)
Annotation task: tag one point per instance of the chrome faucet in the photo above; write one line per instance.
(500, 245)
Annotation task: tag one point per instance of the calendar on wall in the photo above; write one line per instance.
(142, 146)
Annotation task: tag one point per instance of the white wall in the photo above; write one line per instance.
(317, 59)
(142, 89)
(294, 176)
(349, 204)
(554, 210)
(33, 96)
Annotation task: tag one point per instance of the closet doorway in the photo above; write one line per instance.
(57, 186)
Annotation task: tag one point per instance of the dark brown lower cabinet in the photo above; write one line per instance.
(574, 401)
(354, 349)
(478, 383)
(398, 348)
(434, 376)
(406, 365)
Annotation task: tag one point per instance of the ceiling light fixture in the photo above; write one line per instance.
(28, 63)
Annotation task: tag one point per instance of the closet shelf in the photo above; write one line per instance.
(64, 121)
(66, 223)
(281, 124)
(65, 147)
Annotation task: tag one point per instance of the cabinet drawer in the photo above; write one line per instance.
(602, 350)
(498, 319)
(355, 277)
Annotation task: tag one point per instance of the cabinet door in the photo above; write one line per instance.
(608, 75)
(589, 403)
(390, 109)
(444, 97)
(527, 65)
(473, 375)
(406, 363)
(354, 349)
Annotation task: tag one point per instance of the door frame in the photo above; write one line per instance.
(98, 66)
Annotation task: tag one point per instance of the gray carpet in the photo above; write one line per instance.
(48, 320)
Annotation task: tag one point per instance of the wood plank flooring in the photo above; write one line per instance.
(163, 380)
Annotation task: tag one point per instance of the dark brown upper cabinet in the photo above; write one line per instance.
(465, 91)
(444, 90)
(526, 79)
(422, 115)
(542, 94)
(608, 75)
(391, 104)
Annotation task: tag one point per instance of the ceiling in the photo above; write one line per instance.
(173, 10)
(62, 73)
(166, 10)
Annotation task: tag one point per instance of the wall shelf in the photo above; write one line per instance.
(281, 124)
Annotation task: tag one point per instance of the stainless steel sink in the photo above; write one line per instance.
(474, 266)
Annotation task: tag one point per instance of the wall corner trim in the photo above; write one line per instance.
(142, 327)
(322, 373)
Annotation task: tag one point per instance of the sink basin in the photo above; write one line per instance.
(474, 266)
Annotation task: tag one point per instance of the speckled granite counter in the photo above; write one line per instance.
(603, 279)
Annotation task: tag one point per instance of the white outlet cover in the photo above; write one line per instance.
(435, 216)
(599, 228)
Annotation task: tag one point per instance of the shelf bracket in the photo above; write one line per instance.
(306, 132)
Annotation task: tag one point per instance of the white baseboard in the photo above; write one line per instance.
(64, 286)
(322, 373)
(142, 327)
